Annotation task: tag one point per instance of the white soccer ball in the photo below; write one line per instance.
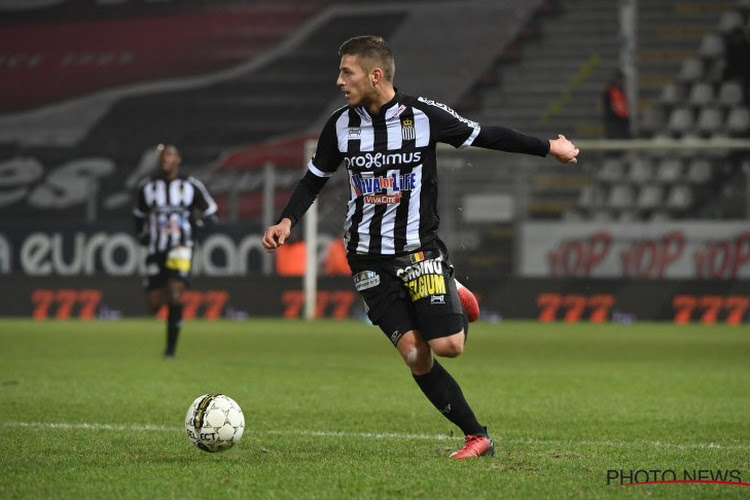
(214, 422)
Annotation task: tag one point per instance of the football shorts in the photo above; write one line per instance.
(415, 291)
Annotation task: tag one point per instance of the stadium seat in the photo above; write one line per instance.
(729, 20)
(711, 47)
(659, 216)
(620, 197)
(681, 121)
(699, 171)
(612, 170)
(650, 197)
(701, 94)
(691, 70)
(671, 94)
(585, 197)
(679, 198)
(627, 216)
(738, 122)
(602, 216)
(730, 94)
(641, 170)
(669, 170)
(710, 121)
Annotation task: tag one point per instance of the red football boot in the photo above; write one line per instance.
(468, 302)
(475, 446)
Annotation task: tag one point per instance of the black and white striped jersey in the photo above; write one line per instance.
(391, 162)
(164, 208)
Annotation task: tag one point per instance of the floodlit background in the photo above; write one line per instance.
(651, 222)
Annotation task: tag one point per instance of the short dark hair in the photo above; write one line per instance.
(374, 49)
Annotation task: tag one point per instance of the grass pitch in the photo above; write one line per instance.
(91, 410)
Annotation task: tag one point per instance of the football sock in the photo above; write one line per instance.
(174, 322)
(444, 393)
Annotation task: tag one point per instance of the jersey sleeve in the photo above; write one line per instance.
(511, 141)
(448, 126)
(327, 156)
(140, 209)
(203, 201)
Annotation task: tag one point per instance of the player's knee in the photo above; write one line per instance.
(416, 355)
(448, 347)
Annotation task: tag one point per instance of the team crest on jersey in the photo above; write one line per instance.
(408, 132)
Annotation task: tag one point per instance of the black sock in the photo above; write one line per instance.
(444, 393)
(174, 322)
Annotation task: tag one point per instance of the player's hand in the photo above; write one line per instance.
(564, 150)
(276, 235)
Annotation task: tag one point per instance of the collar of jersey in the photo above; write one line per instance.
(392, 110)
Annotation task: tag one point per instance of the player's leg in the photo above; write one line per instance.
(441, 325)
(155, 299)
(178, 265)
(174, 315)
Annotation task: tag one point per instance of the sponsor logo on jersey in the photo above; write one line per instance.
(354, 132)
(366, 279)
(382, 190)
(423, 278)
(396, 113)
(377, 160)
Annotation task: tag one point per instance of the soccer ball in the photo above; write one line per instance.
(214, 422)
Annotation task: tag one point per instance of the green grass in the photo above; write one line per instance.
(91, 410)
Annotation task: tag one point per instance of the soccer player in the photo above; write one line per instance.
(169, 210)
(387, 140)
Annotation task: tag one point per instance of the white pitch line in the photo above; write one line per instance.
(388, 435)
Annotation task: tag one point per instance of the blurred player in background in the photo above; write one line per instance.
(170, 209)
(387, 142)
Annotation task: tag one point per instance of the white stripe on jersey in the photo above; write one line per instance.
(367, 138)
(388, 224)
(343, 132)
(155, 193)
(368, 211)
(212, 206)
(422, 127)
(315, 170)
(470, 140)
(412, 224)
(180, 193)
(393, 130)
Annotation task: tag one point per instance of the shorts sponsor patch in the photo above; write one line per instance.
(437, 299)
(366, 279)
(179, 259)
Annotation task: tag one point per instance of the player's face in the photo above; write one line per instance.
(354, 81)
(169, 161)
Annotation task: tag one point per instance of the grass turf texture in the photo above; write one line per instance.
(91, 410)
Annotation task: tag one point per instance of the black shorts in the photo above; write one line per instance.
(410, 292)
(161, 267)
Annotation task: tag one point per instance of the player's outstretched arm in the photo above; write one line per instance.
(276, 235)
(564, 150)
